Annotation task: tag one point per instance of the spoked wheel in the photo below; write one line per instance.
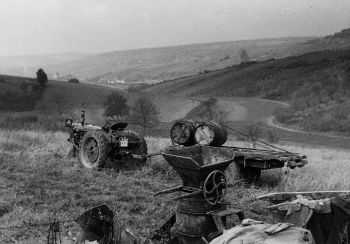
(93, 149)
(214, 188)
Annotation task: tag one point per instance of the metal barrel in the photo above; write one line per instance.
(182, 133)
(210, 133)
(194, 221)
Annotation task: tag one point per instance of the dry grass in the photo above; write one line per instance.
(37, 183)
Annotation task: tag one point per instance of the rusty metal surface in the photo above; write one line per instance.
(193, 172)
(248, 157)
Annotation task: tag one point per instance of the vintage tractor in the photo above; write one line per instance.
(110, 143)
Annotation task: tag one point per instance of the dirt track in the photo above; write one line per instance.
(271, 121)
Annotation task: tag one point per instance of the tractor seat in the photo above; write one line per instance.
(119, 126)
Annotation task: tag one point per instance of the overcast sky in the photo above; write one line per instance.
(56, 26)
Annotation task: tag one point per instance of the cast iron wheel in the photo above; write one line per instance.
(214, 188)
(93, 149)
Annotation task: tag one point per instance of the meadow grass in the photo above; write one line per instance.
(38, 183)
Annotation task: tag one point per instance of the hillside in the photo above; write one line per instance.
(17, 98)
(153, 65)
(315, 84)
(156, 64)
(24, 64)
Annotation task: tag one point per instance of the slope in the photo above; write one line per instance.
(155, 64)
(66, 98)
(315, 84)
(25, 65)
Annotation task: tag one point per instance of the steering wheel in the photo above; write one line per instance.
(109, 121)
(214, 188)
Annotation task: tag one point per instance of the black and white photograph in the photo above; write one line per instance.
(174, 122)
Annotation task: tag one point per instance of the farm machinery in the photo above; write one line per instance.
(206, 139)
(202, 214)
(110, 143)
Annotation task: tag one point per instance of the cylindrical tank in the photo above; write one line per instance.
(193, 220)
(182, 133)
(210, 133)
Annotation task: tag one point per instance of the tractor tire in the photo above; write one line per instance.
(237, 172)
(94, 149)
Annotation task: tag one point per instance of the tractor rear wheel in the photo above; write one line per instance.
(93, 151)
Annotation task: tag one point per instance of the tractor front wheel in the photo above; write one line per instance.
(93, 151)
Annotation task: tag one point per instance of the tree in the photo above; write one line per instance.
(244, 55)
(41, 77)
(144, 114)
(116, 104)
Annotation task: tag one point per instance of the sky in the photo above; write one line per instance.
(93, 26)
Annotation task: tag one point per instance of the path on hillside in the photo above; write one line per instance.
(271, 121)
(244, 111)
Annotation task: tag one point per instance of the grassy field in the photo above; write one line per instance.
(38, 182)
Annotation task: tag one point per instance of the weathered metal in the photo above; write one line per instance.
(249, 162)
(188, 133)
(201, 212)
(194, 220)
(95, 145)
(101, 225)
(182, 133)
(211, 134)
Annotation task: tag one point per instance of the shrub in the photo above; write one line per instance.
(2, 80)
(116, 105)
(73, 80)
(41, 77)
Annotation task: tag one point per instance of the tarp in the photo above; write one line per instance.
(327, 219)
(262, 234)
(333, 227)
